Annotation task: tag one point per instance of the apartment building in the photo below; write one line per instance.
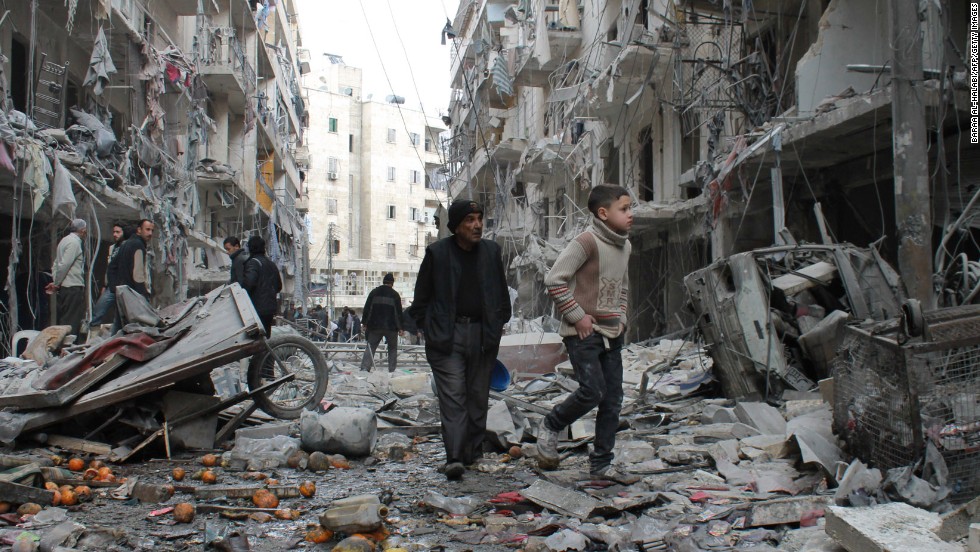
(183, 112)
(727, 122)
(376, 181)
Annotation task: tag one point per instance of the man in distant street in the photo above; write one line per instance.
(107, 300)
(262, 282)
(382, 317)
(69, 276)
(132, 270)
(233, 247)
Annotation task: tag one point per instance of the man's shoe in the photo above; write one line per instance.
(454, 471)
(547, 448)
(610, 473)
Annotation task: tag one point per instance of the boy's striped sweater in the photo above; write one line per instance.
(590, 277)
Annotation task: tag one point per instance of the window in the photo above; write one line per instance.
(413, 213)
(391, 211)
(428, 143)
(413, 250)
(331, 206)
(414, 138)
(391, 136)
(413, 177)
(332, 164)
(390, 250)
(335, 246)
(333, 125)
(350, 143)
(391, 174)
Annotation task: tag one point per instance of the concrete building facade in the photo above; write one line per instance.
(727, 122)
(183, 112)
(375, 185)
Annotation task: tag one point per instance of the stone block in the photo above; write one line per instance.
(893, 527)
(761, 416)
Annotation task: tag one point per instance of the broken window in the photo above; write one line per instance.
(646, 164)
(414, 138)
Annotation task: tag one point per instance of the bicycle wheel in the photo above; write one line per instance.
(299, 356)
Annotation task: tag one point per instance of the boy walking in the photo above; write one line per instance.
(589, 286)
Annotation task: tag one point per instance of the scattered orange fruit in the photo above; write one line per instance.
(184, 512)
(76, 464)
(319, 535)
(271, 482)
(96, 464)
(179, 474)
(69, 498)
(57, 460)
(255, 476)
(287, 514)
(56, 499)
(209, 460)
(4, 507)
(209, 477)
(338, 461)
(28, 509)
(90, 474)
(104, 471)
(51, 486)
(64, 488)
(377, 535)
(263, 498)
(307, 488)
(84, 493)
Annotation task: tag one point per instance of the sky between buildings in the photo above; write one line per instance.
(406, 34)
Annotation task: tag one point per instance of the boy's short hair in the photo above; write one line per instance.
(604, 195)
(232, 241)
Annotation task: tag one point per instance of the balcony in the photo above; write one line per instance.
(227, 71)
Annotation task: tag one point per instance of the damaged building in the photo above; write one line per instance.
(186, 113)
(735, 126)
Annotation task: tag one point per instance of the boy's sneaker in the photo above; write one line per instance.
(610, 473)
(547, 448)
(454, 471)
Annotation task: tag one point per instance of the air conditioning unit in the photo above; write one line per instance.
(332, 175)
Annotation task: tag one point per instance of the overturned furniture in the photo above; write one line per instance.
(113, 379)
(771, 317)
(896, 396)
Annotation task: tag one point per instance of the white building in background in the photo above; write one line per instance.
(375, 182)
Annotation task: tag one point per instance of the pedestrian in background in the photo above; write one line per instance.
(461, 305)
(68, 276)
(382, 317)
(120, 233)
(262, 282)
(233, 247)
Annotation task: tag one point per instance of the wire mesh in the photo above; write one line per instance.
(892, 399)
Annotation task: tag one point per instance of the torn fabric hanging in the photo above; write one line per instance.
(501, 77)
(100, 66)
(62, 196)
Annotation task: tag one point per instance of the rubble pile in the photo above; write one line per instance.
(363, 475)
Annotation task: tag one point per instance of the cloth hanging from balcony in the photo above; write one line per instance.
(62, 198)
(100, 65)
(36, 174)
(501, 77)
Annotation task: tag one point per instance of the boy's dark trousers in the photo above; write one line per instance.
(599, 372)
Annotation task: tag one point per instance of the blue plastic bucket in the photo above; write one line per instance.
(499, 377)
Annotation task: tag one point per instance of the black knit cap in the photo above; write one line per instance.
(458, 211)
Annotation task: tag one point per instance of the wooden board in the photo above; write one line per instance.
(805, 278)
(19, 494)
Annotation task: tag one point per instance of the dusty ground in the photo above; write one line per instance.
(402, 484)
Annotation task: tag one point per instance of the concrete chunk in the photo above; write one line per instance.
(893, 527)
(974, 539)
(956, 524)
(761, 416)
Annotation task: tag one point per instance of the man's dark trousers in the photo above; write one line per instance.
(463, 385)
(71, 307)
(373, 340)
(599, 372)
